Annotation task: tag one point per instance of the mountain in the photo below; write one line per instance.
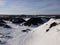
(17, 20)
(35, 21)
(46, 34)
(40, 35)
(25, 21)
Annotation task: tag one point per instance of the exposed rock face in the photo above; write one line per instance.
(34, 21)
(17, 20)
(7, 26)
(39, 36)
(2, 23)
(29, 22)
(51, 25)
(27, 30)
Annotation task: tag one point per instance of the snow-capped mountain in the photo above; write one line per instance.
(35, 21)
(40, 35)
(46, 34)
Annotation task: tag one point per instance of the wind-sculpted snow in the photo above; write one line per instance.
(25, 35)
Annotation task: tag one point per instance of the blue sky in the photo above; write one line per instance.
(29, 6)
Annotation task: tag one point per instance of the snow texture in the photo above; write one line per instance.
(33, 36)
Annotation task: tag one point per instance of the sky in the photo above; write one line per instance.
(29, 6)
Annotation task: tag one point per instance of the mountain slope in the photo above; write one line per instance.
(46, 34)
(39, 36)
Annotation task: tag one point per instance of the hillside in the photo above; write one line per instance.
(40, 35)
(46, 34)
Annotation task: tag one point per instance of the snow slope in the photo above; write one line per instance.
(13, 36)
(39, 36)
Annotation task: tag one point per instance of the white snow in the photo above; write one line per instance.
(26, 19)
(37, 36)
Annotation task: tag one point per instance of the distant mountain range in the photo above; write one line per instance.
(17, 20)
(34, 20)
(33, 16)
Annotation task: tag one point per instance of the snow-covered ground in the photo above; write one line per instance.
(39, 36)
(36, 35)
(14, 35)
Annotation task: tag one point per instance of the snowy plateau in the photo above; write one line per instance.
(45, 34)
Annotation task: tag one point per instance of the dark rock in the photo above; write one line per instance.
(6, 26)
(48, 19)
(47, 30)
(18, 20)
(1, 21)
(1, 24)
(6, 18)
(53, 24)
(27, 30)
(33, 21)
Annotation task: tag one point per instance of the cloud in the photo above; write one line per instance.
(2, 2)
(29, 6)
